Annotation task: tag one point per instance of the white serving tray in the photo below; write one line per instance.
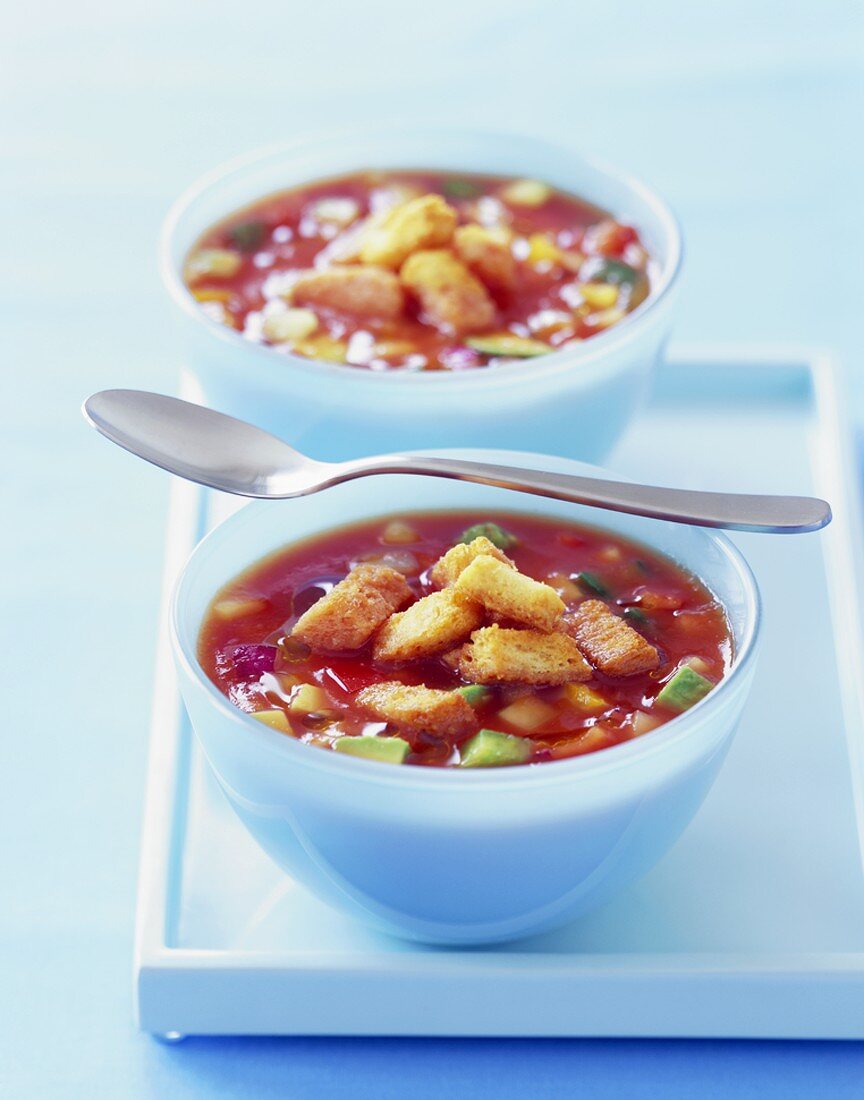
(752, 926)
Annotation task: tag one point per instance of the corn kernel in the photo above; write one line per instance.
(583, 698)
(599, 295)
(215, 263)
(542, 249)
(289, 325)
(526, 192)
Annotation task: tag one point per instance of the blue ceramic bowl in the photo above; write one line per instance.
(451, 856)
(576, 401)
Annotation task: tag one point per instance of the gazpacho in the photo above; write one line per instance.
(419, 270)
(455, 640)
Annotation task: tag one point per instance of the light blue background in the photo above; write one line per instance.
(746, 115)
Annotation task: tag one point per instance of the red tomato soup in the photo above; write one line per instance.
(419, 270)
(450, 639)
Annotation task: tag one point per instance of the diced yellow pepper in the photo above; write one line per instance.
(215, 263)
(526, 192)
(289, 325)
(309, 698)
(323, 347)
(606, 318)
(528, 713)
(542, 249)
(234, 607)
(276, 719)
(599, 295)
(584, 698)
(397, 532)
(567, 589)
(211, 294)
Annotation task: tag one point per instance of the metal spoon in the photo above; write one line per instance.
(217, 450)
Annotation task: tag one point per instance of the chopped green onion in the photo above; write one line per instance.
(592, 582)
(460, 189)
(636, 616)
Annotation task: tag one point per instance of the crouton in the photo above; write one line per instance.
(502, 589)
(487, 253)
(360, 291)
(611, 645)
(433, 624)
(499, 655)
(424, 222)
(450, 296)
(448, 567)
(348, 616)
(418, 709)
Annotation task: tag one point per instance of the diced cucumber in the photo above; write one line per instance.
(247, 235)
(507, 343)
(491, 749)
(387, 750)
(527, 714)
(475, 693)
(460, 189)
(684, 690)
(496, 535)
(592, 582)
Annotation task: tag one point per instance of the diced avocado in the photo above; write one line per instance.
(491, 749)
(496, 535)
(684, 690)
(276, 719)
(475, 693)
(592, 582)
(388, 750)
(309, 698)
(460, 189)
(247, 235)
(507, 343)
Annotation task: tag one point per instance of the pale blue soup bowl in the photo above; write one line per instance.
(575, 402)
(450, 856)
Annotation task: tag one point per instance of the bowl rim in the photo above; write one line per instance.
(589, 353)
(625, 755)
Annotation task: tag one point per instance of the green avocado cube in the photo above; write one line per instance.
(388, 750)
(684, 690)
(507, 343)
(491, 749)
(496, 535)
(475, 693)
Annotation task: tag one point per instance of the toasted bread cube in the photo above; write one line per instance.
(453, 300)
(487, 253)
(433, 624)
(611, 645)
(351, 612)
(505, 591)
(499, 655)
(448, 567)
(424, 222)
(360, 291)
(418, 709)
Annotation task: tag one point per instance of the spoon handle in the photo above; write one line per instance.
(733, 511)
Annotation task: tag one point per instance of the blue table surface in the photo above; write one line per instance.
(746, 115)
